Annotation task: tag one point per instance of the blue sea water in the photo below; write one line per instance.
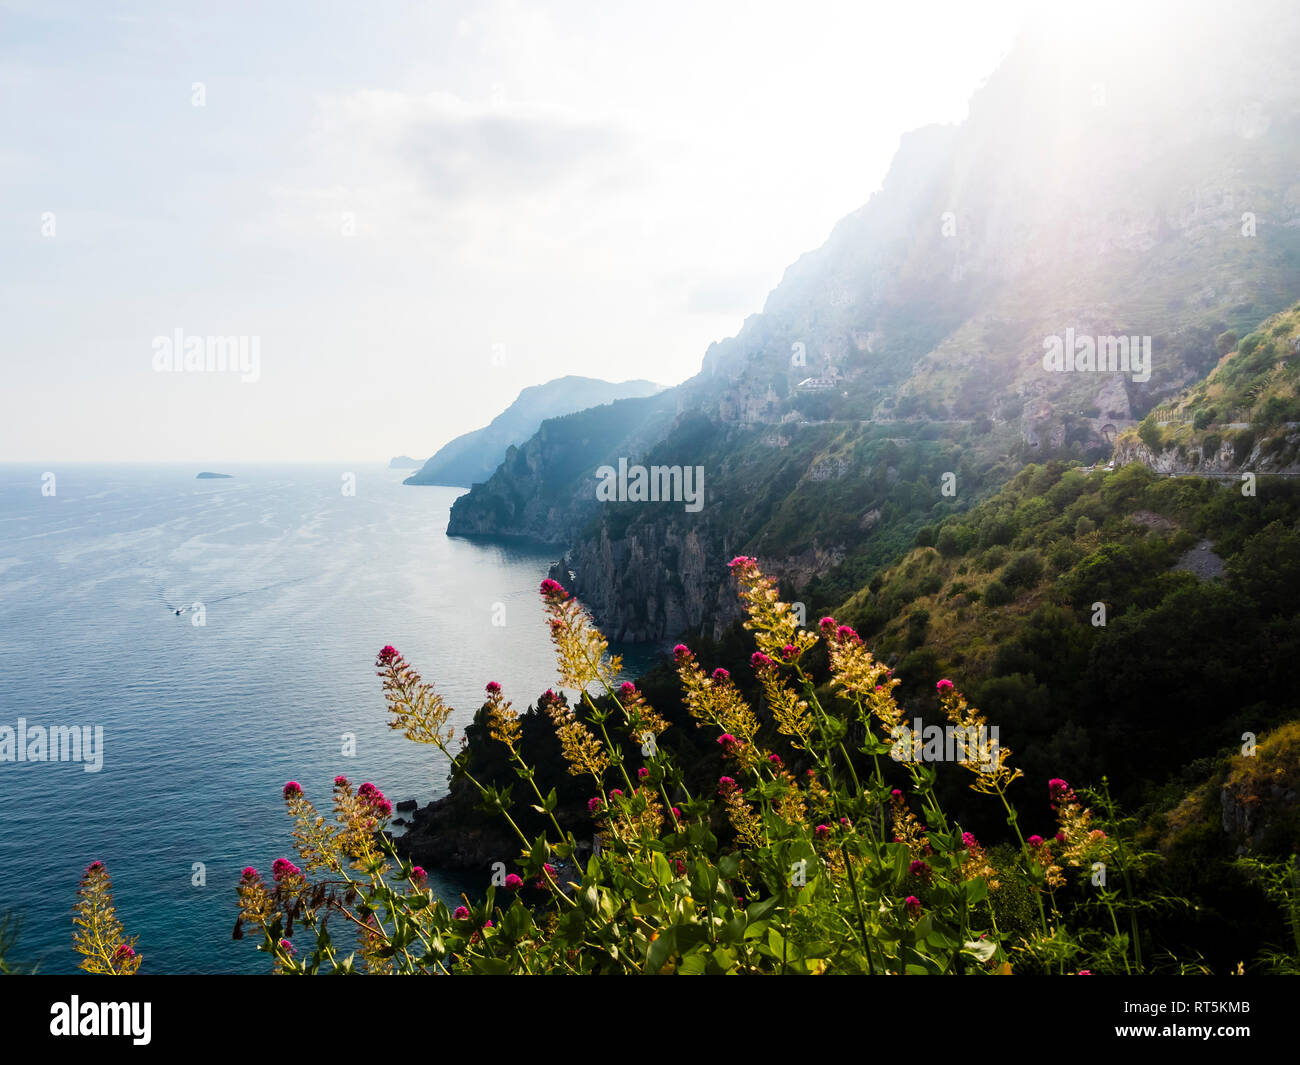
(300, 586)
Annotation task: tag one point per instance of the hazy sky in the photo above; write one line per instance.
(382, 192)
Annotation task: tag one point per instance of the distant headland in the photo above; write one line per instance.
(205, 476)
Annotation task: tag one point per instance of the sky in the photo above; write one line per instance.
(410, 211)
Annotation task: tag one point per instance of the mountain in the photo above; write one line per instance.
(1141, 186)
(471, 458)
(404, 462)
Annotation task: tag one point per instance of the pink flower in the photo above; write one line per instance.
(822, 831)
(846, 822)
(617, 791)
(287, 947)
(681, 651)
(679, 866)
(918, 868)
(553, 589)
(1059, 791)
(282, 868)
(292, 788)
(418, 874)
(461, 913)
(828, 625)
(340, 781)
(677, 814)
(726, 785)
(741, 563)
(913, 905)
(493, 688)
(250, 873)
(513, 882)
(642, 773)
(721, 674)
(897, 793)
(759, 660)
(627, 689)
(727, 740)
(487, 924)
(846, 635)
(969, 841)
(387, 654)
(1035, 841)
(124, 951)
(944, 686)
(789, 651)
(94, 867)
(1085, 972)
(594, 804)
(775, 759)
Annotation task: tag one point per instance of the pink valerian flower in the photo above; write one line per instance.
(1085, 972)
(845, 634)
(461, 913)
(123, 952)
(1035, 841)
(418, 875)
(681, 651)
(595, 804)
(282, 869)
(741, 564)
(913, 905)
(547, 870)
(367, 791)
(677, 814)
(642, 773)
(969, 841)
(897, 793)
(846, 822)
(287, 947)
(775, 759)
(726, 786)
(918, 868)
(1059, 837)
(493, 688)
(291, 789)
(94, 867)
(387, 655)
(789, 652)
(721, 675)
(679, 866)
(250, 874)
(822, 831)
(728, 742)
(514, 882)
(759, 660)
(828, 625)
(627, 689)
(944, 686)
(616, 791)
(552, 589)
(340, 781)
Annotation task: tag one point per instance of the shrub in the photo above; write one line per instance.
(997, 594)
(1023, 571)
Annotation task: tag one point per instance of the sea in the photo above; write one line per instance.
(289, 580)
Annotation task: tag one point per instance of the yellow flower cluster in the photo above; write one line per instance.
(583, 752)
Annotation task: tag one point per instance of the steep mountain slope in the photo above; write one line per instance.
(1245, 416)
(471, 458)
(1140, 186)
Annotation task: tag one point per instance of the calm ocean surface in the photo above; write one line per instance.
(301, 586)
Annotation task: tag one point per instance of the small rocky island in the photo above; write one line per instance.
(205, 476)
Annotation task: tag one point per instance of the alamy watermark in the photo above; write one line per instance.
(207, 354)
(59, 743)
(946, 743)
(656, 484)
(1083, 353)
